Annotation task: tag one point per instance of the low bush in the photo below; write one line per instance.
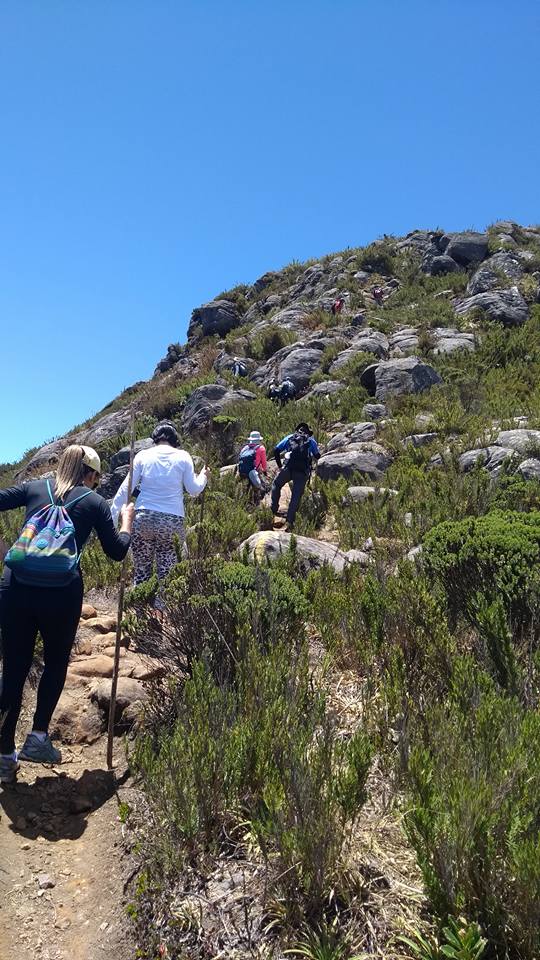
(265, 344)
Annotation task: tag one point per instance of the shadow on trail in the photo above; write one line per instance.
(57, 807)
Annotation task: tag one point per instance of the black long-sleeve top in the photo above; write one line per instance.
(91, 513)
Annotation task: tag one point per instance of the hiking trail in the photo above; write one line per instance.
(63, 867)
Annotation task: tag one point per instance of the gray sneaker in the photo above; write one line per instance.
(39, 751)
(8, 769)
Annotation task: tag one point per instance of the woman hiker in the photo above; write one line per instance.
(161, 474)
(252, 464)
(53, 610)
(299, 450)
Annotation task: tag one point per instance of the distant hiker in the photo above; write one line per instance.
(252, 461)
(287, 391)
(300, 450)
(41, 591)
(337, 305)
(239, 368)
(273, 390)
(161, 473)
(378, 295)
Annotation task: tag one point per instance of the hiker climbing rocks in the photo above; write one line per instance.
(299, 450)
(161, 474)
(283, 392)
(239, 368)
(337, 305)
(378, 295)
(252, 462)
(41, 591)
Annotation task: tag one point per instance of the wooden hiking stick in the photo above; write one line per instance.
(203, 497)
(120, 613)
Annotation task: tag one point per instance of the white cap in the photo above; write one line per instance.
(254, 437)
(91, 458)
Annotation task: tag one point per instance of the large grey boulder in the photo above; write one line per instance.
(368, 459)
(491, 457)
(175, 352)
(399, 377)
(374, 411)
(465, 248)
(419, 439)
(44, 458)
(448, 339)
(209, 401)
(122, 456)
(107, 427)
(522, 441)
(300, 365)
(325, 389)
(487, 277)
(353, 433)
(506, 306)
(271, 544)
(371, 341)
(218, 316)
(435, 265)
(530, 469)
(111, 482)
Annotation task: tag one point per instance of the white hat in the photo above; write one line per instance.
(254, 437)
(91, 458)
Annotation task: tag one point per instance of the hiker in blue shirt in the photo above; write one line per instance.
(299, 450)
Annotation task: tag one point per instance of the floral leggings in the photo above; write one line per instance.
(152, 543)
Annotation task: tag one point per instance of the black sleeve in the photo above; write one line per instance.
(13, 497)
(277, 457)
(115, 544)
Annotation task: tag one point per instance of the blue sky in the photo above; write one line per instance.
(156, 152)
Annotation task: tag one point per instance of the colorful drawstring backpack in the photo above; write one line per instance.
(46, 555)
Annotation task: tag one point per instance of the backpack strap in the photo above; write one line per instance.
(76, 500)
(50, 494)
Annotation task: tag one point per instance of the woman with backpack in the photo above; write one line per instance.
(252, 461)
(299, 450)
(161, 474)
(42, 591)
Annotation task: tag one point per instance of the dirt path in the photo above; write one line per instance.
(62, 862)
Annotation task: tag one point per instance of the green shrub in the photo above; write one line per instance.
(272, 338)
(378, 257)
(473, 778)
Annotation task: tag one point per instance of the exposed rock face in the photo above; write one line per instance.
(110, 482)
(506, 306)
(352, 434)
(218, 316)
(448, 339)
(487, 277)
(111, 425)
(530, 469)
(465, 248)
(209, 401)
(438, 264)
(325, 389)
(370, 342)
(174, 353)
(491, 457)
(374, 411)
(398, 377)
(45, 458)
(369, 460)
(522, 441)
(122, 457)
(299, 366)
(271, 544)
(420, 439)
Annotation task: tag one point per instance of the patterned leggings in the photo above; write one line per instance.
(152, 542)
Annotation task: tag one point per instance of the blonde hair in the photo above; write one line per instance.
(70, 471)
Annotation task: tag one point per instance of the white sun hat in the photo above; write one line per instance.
(254, 437)
(91, 458)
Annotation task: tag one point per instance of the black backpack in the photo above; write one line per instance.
(299, 458)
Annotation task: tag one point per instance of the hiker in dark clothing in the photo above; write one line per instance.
(48, 600)
(299, 450)
(239, 368)
(378, 295)
(337, 305)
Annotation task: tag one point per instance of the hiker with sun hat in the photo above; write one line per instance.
(252, 461)
(41, 591)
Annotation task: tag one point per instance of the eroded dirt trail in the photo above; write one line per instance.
(63, 867)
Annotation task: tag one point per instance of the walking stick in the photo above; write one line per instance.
(121, 591)
(201, 518)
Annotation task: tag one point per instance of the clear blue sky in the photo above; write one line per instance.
(155, 152)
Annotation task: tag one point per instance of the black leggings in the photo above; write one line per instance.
(25, 611)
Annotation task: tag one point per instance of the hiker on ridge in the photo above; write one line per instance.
(42, 591)
(300, 450)
(239, 368)
(161, 473)
(378, 295)
(252, 461)
(337, 306)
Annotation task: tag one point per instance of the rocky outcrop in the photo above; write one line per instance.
(506, 306)
(370, 342)
(530, 469)
(121, 458)
(271, 544)
(111, 482)
(374, 411)
(300, 365)
(399, 377)
(325, 389)
(45, 458)
(491, 457)
(488, 276)
(465, 248)
(522, 441)
(360, 494)
(209, 401)
(351, 435)
(435, 265)
(218, 316)
(419, 439)
(368, 460)
(107, 427)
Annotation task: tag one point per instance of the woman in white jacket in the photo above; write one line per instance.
(161, 474)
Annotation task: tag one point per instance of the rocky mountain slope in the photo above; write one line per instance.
(347, 750)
